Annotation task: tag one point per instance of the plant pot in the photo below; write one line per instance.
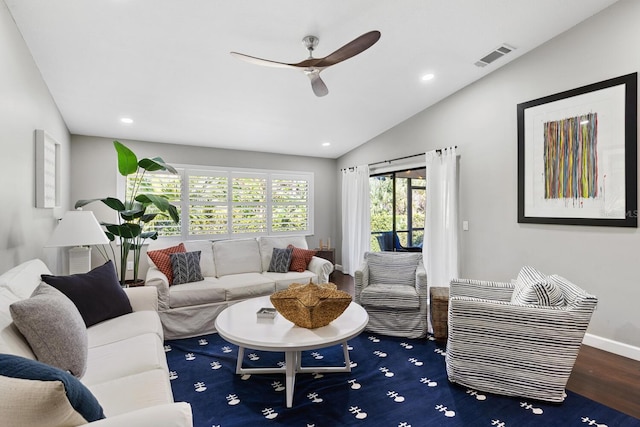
(133, 283)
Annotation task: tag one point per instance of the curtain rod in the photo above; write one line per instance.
(439, 151)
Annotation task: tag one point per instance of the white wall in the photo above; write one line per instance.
(481, 121)
(25, 105)
(94, 174)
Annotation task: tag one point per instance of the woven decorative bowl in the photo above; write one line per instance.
(311, 306)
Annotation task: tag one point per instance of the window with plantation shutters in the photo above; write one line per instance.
(289, 203)
(218, 203)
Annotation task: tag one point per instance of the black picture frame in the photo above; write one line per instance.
(552, 141)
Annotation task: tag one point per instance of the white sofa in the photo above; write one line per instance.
(126, 365)
(233, 270)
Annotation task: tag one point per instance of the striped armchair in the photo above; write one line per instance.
(392, 287)
(501, 343)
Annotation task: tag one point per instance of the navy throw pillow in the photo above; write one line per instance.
(97, 294)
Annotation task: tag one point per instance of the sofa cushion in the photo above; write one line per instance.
(246, 285)
(532, 287)
(300, 258)
(237, 256)
(161, 259)
(129, 393)
(267, 243)
(207, 266)
(54, 329)
(11, 340)
(209, 290)
(23, 279)
(123, 327)
(185, 267)
(390, 296)
(283, 280)
(396, 268)
(125, 357)
(97, 294)
(280, 260)
(43, 395)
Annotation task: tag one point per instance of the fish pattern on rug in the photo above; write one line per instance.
(394, 382)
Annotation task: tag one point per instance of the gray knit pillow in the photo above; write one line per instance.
(54, 329)
(280, 260)
(186, 267)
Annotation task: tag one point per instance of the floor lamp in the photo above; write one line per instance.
(78, 230)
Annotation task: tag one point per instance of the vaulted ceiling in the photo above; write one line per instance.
(165, 64)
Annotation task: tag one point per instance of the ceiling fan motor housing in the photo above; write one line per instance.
(310, 42)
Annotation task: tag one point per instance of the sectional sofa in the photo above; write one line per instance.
(125, 371)
(233, 270)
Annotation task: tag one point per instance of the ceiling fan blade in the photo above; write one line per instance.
(350, 49)
(260, 61)
(318, 86)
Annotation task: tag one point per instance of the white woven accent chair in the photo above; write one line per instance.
(392, 287)
(516, 339)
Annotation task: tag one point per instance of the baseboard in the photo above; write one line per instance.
(611, 346)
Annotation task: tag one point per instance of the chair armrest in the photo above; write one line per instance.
(158, 279)
(321, 268)
(142, 298)
(421, 280)
(168, 415)
(361, 281)
(482, 289)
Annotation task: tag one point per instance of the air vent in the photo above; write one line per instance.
(499, 52)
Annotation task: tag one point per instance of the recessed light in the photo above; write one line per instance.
(126, 120)
(326, 144)
(427, 77)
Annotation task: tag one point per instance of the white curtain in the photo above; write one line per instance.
(440, 249)
(356, 215)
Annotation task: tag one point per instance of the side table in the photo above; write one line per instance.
(439, 310)
(329, 254)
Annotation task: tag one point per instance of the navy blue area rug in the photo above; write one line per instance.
(394, 382)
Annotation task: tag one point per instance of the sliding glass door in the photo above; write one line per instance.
(397, 210)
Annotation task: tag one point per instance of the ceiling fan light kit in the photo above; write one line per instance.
(313, 66)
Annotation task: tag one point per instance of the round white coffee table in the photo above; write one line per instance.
(239, 325)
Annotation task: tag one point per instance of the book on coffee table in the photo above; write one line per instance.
(266, 313)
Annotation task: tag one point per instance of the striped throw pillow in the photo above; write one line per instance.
(533, 288)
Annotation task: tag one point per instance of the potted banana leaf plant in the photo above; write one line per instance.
(132, 211)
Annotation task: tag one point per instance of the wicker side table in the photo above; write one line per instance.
(439, 310)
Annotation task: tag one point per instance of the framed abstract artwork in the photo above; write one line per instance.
(577, 156)
(47, 170)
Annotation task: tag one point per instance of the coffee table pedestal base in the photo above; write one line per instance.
(293, 362)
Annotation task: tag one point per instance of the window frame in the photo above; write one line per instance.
(187, 170)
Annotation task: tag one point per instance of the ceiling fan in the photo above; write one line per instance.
(313, 66)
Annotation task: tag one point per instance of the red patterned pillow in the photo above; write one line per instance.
(162, 260)
(300, 258)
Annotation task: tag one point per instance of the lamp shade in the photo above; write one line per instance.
(78, 228)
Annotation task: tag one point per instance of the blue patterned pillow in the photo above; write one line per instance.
(280, 260)
(43, 395)
(186, 267)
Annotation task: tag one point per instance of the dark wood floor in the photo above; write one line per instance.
(601, 376)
